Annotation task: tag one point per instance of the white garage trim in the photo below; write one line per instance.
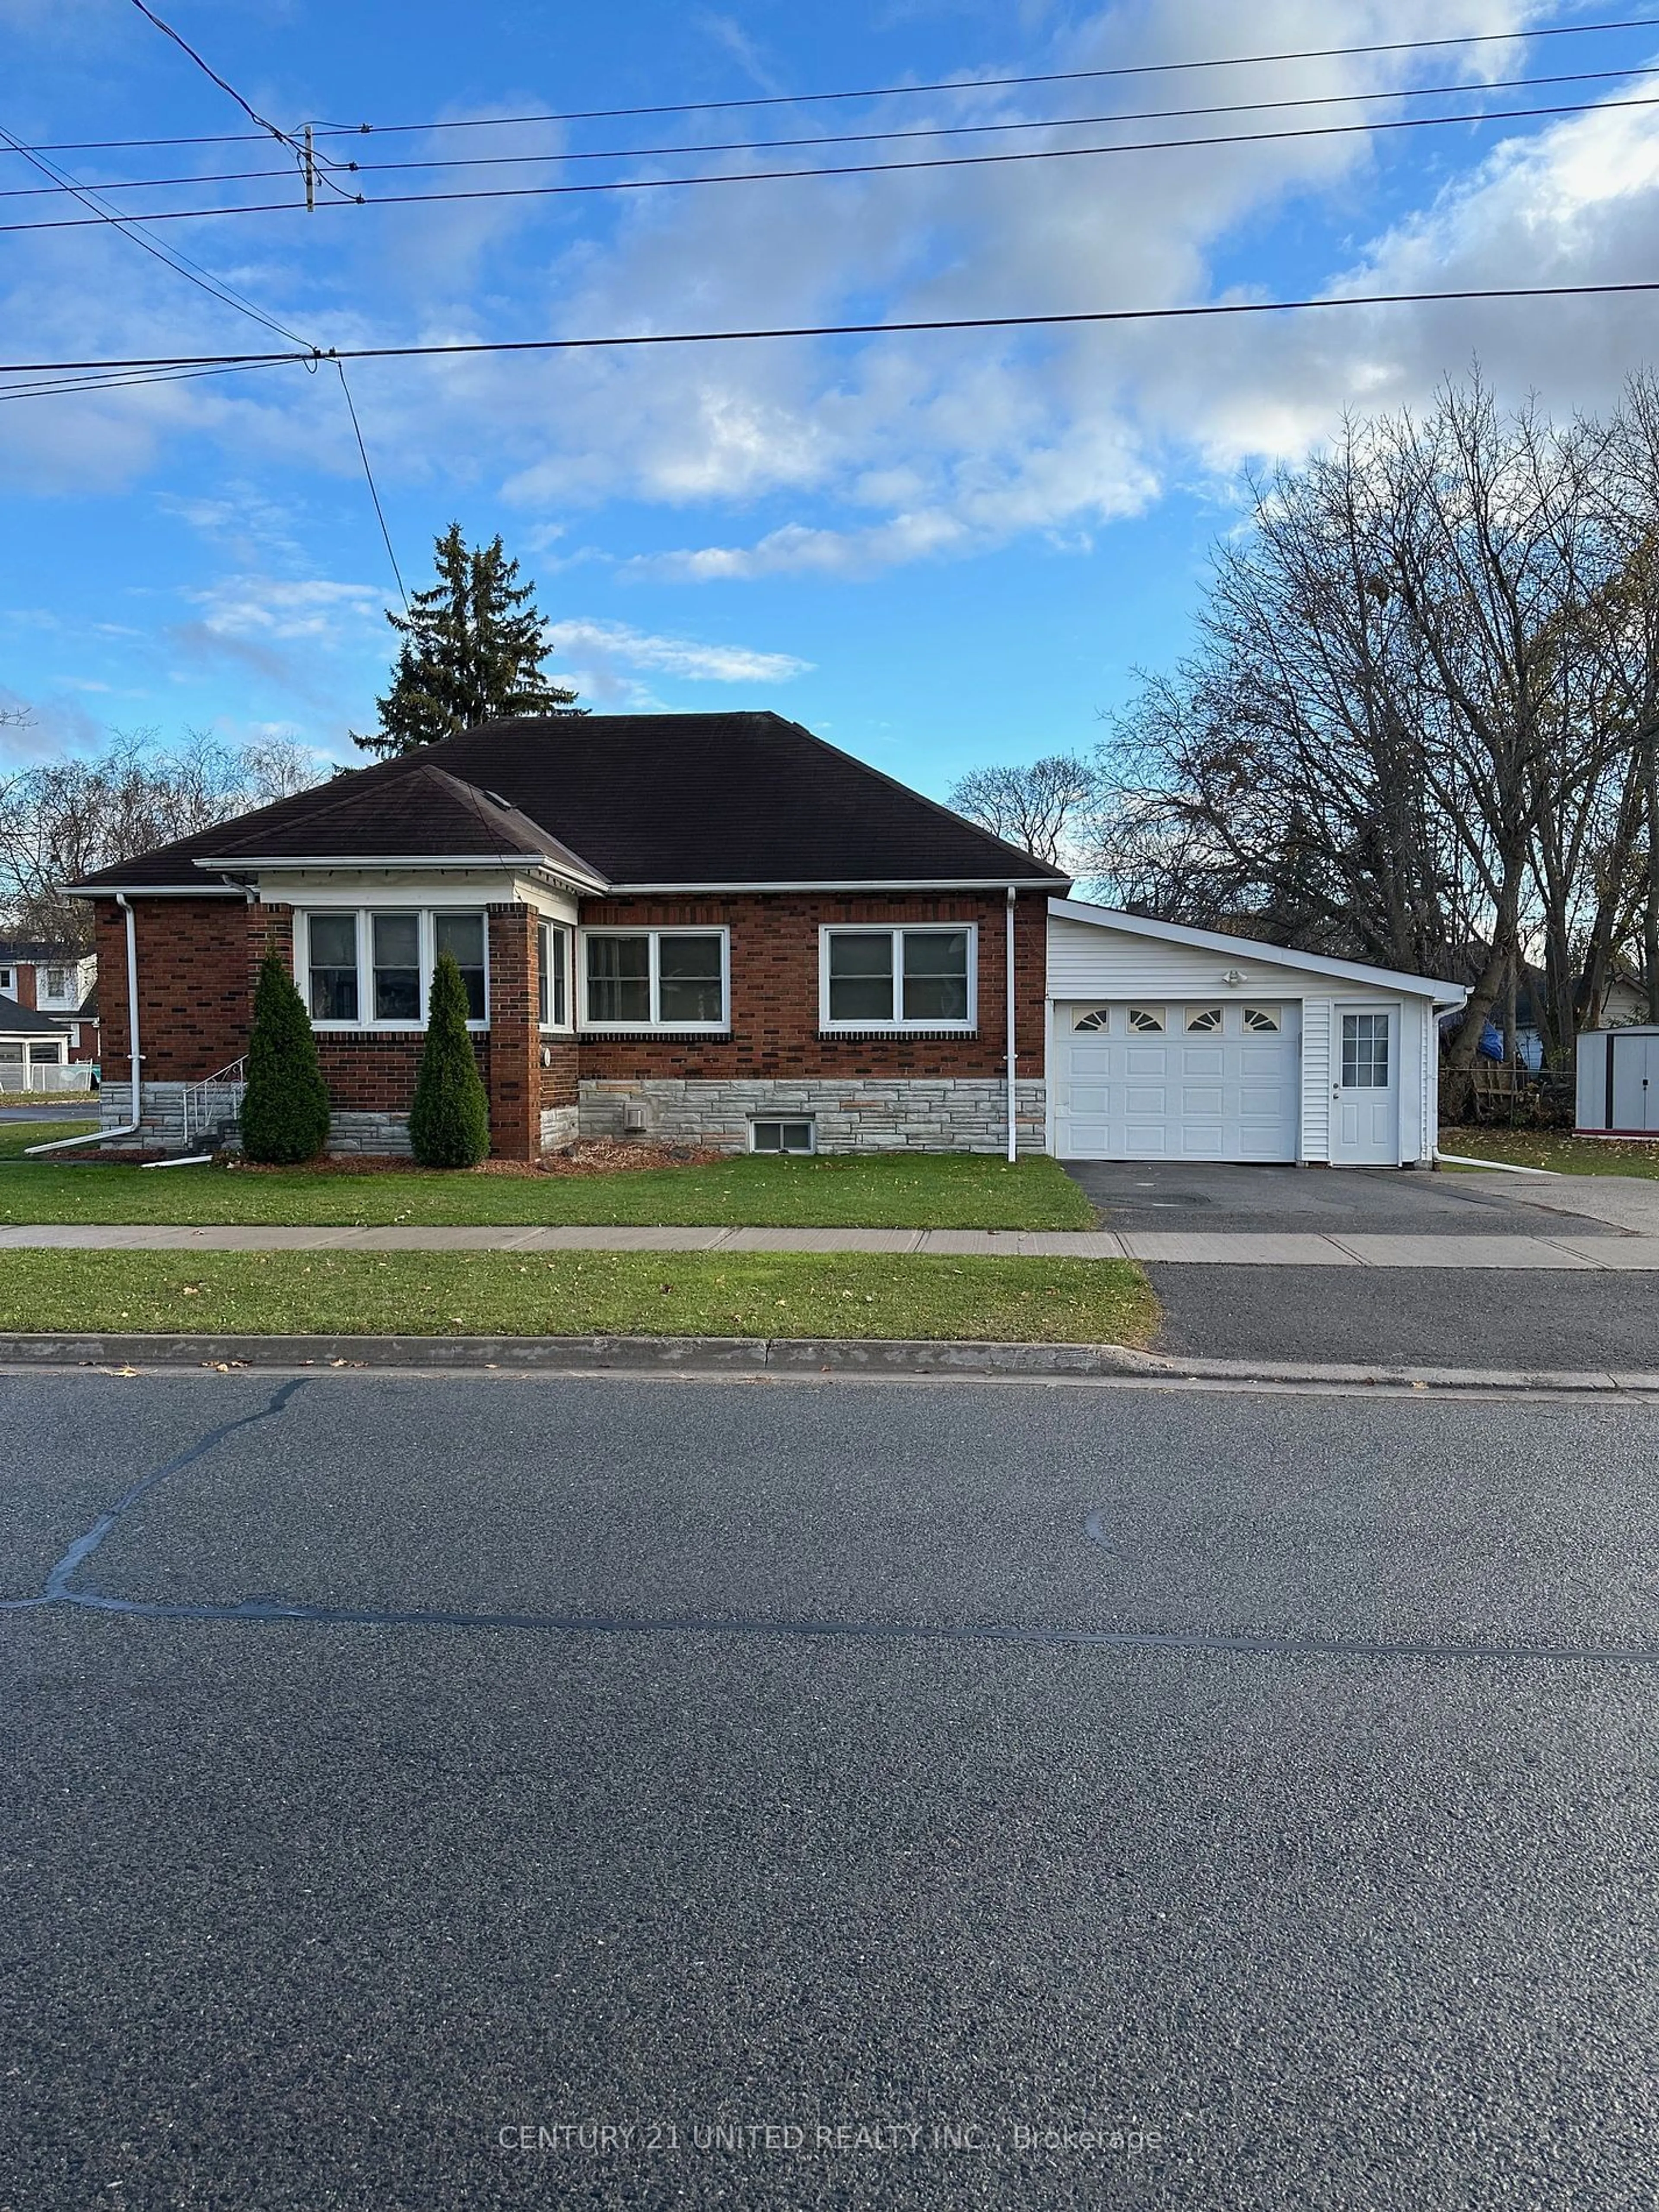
(1360, 1084)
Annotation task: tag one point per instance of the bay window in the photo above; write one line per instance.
(553, 977)
(333, 993)
(373, 969)
(920, 978)
(462, 936)
(649, 979)
(397, 967)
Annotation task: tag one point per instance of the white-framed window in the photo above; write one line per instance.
(1146, 1021)
(56, 986)
(371, 968)
(783, 1133)
(553, 977)
(920, 977)
(638, 980)
(1203, 1019)
(1262, 1021)
(8, 982)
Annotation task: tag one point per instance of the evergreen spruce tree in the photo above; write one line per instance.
(285, 1111)
(472, 651)
(449, 1119)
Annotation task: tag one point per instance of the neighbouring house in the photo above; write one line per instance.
(56, 979)
(59, 981)
(717, 929)
(34, 1051)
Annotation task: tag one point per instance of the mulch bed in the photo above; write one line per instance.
(596, 1156)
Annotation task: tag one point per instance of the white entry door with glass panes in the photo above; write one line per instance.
(1366, 1088)
(1199, 1080)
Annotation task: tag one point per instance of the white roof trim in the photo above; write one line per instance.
(848, 883)
(1251, 948)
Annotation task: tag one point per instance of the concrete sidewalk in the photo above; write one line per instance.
(1569, 1249)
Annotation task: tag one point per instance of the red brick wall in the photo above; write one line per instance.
(775, 989)
(194, 996)
(514, 1073)
(559, 1078)
(197, 960)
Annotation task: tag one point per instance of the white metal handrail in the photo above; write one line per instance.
(202, 1111)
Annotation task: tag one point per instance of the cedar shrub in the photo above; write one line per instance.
(449, 1119)
(285, 1112)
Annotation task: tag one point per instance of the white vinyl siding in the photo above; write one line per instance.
(1316, 1079)
(1093, 963)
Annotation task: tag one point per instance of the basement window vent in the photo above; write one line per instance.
(779, 1136)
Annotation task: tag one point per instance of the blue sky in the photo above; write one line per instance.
(938, 551)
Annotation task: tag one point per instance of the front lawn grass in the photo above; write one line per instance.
(1557, 1149)
(16, 1137)
(577, 1294)
(886, 1190)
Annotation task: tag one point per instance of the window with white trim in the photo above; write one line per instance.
(8, 982)
(371, 968)
(656, 979)
(1202, 1019)
(553, 977)
(56, 987)
(1146, 1021)
(920, 978)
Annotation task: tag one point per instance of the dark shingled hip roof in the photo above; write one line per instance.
(18, 1021)
(628, 799)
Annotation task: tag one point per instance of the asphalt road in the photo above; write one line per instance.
(415, 1770)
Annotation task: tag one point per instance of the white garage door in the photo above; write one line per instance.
(1148, 1079)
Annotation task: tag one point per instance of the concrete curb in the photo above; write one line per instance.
(793, 1355)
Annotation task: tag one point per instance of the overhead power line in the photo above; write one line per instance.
(869, 168)
(875, 138)
(302, 149)
(130, 227)
(458, 348)
(874, 92)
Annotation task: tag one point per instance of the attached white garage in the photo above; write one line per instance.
(1166, 1043)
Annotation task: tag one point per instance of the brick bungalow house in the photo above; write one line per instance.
(699, 927)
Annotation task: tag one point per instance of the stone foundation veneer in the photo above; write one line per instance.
(163, 1130)
(885, 1114)
(870, 1115)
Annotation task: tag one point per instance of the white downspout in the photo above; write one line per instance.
(128, 1129)
(1013, 1062)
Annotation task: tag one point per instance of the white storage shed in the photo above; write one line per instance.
(1619, 1082)
(1167, 1042)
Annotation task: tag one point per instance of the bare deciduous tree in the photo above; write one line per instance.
(1042, 806)
(1420, 721)
(60, 819)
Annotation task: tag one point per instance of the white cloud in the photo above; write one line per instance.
(313, 609)
(837, 458)
(597, 653)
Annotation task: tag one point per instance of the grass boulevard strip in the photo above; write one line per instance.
(1017, 1300)
(579, 1294)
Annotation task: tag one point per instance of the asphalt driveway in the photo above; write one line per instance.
(1461, 1317)
(490, 1793)
(1389, 1201)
